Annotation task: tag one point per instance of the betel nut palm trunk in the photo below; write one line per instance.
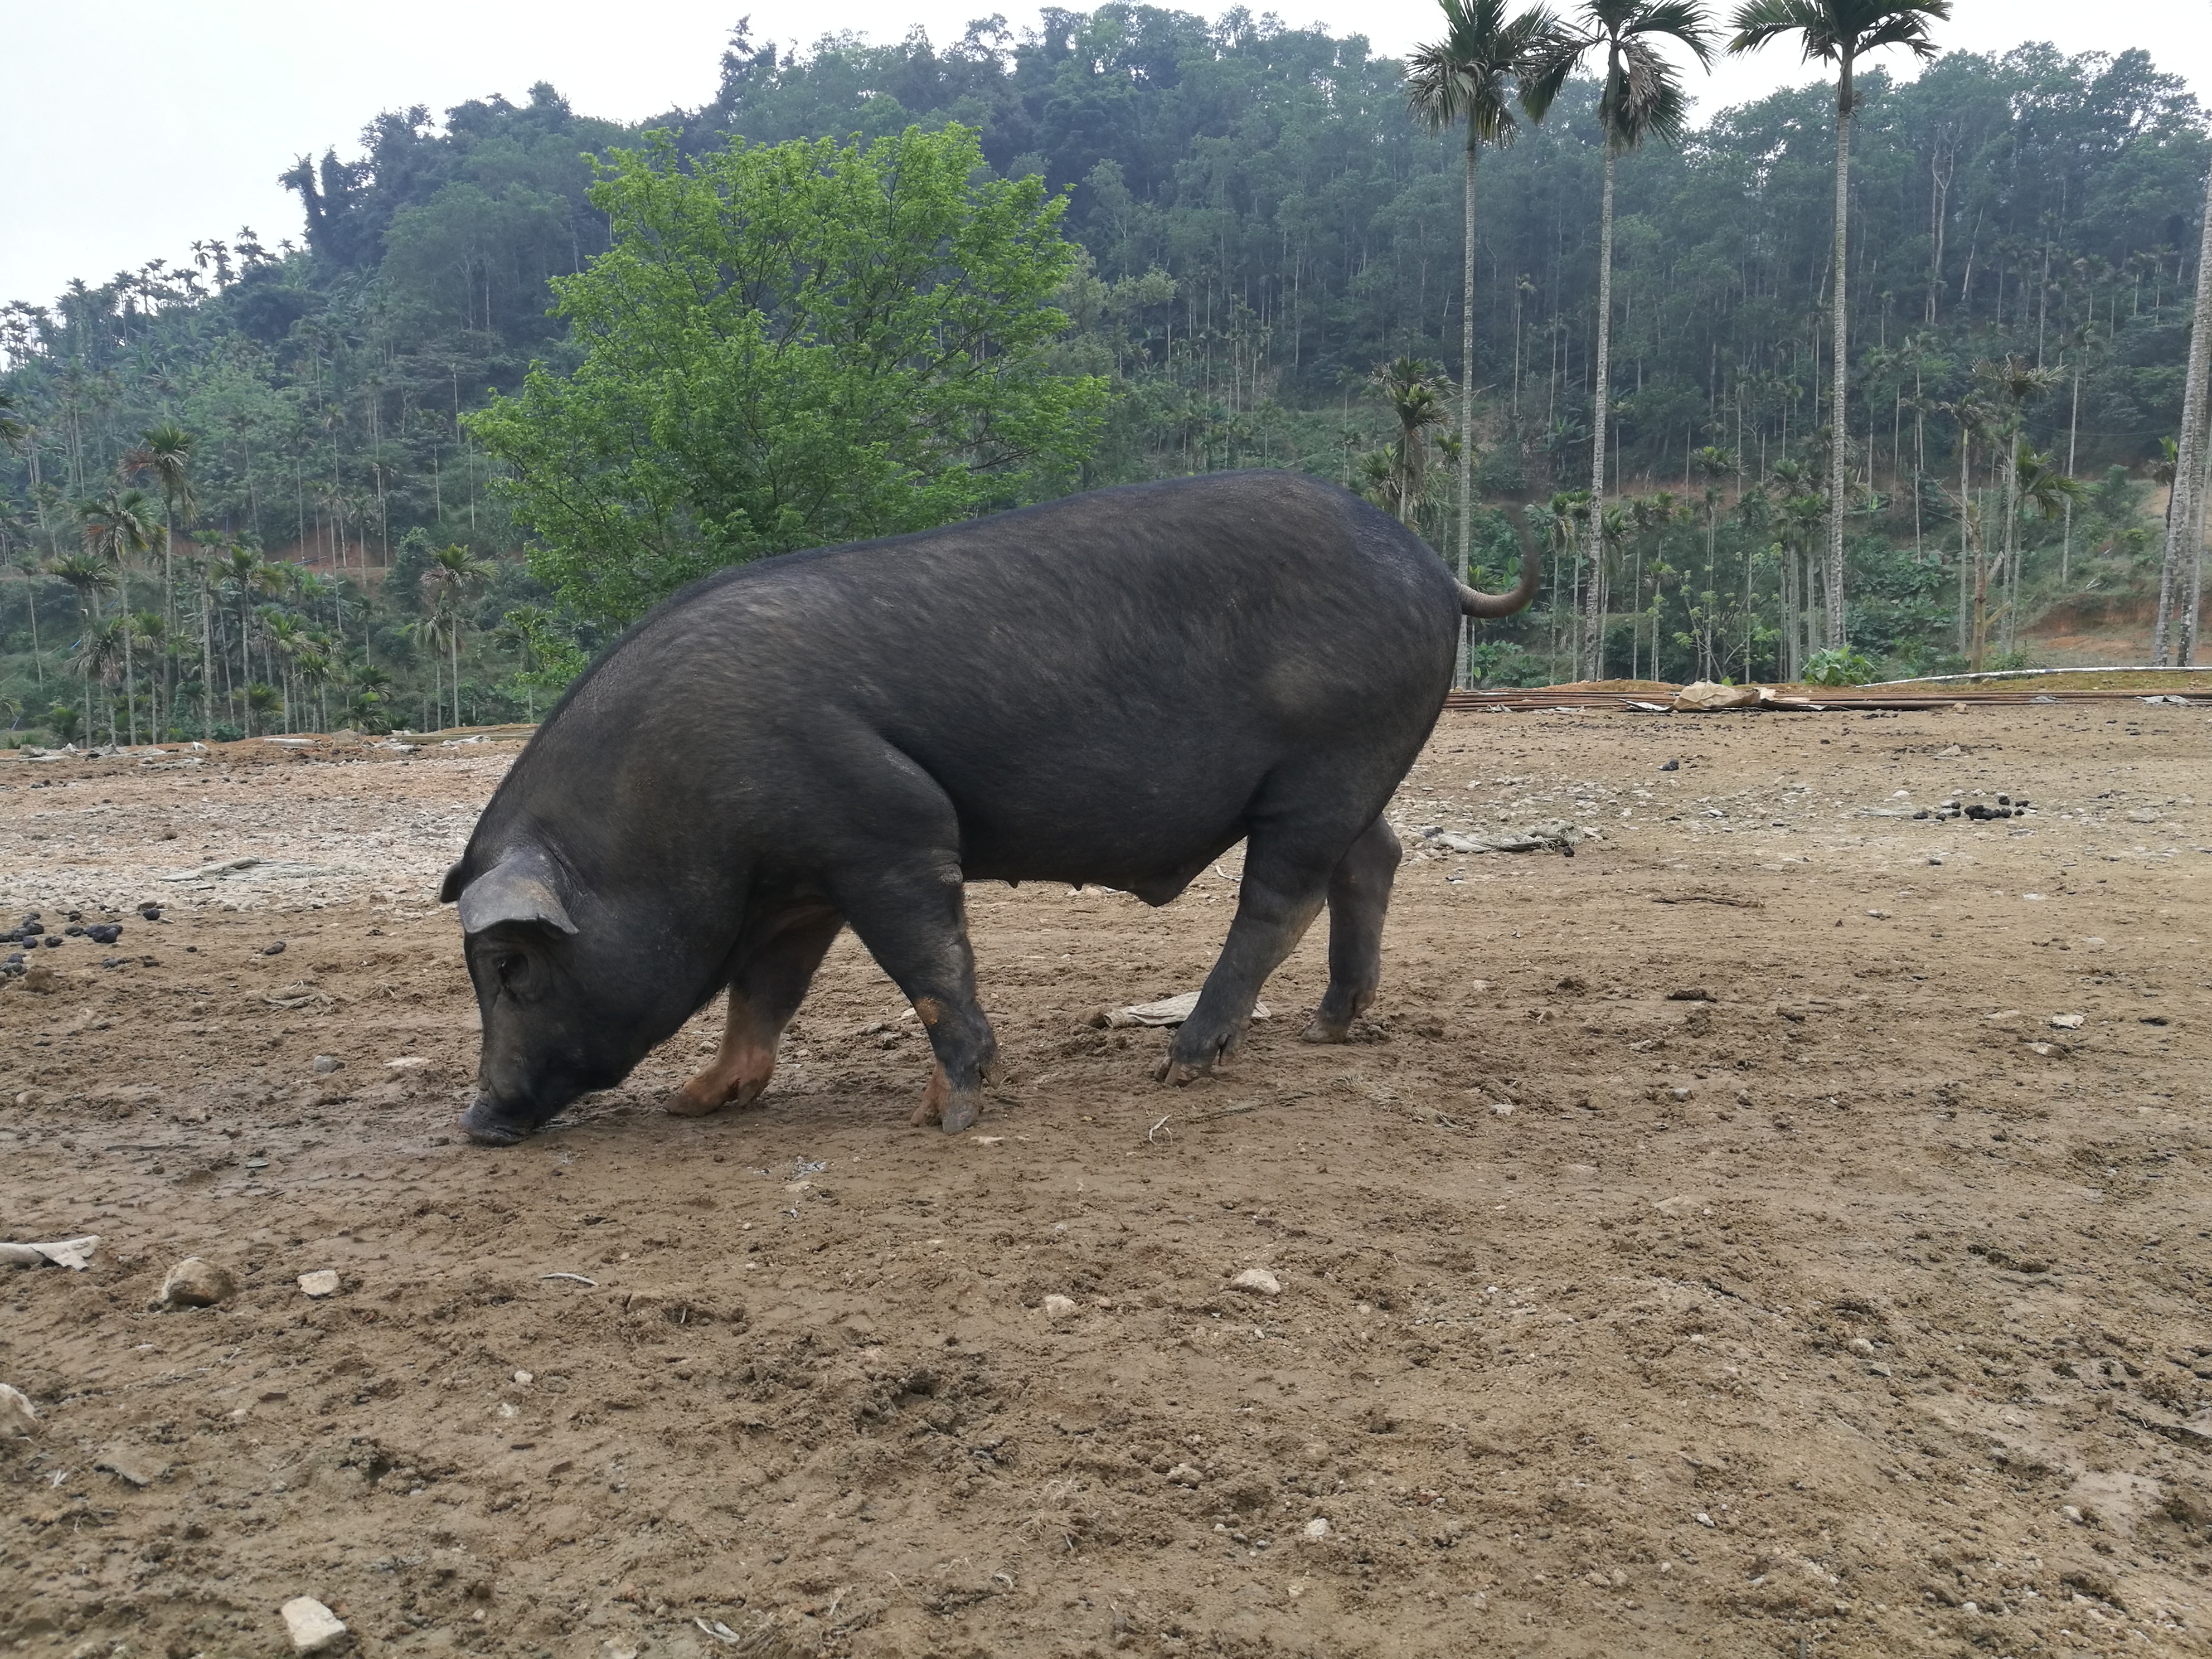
(1840, 403)
(1467, 404)
(2181, 571)
(1593, 631)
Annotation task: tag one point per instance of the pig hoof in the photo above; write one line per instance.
(488, 1130)
(1325, 1030)
(961, 1111)
(1178, 1073)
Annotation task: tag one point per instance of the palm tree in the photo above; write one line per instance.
(459, 573)
(14, 430)
(91, 577)
(1401, 472)
(1464, 78)
(2013, 384)
(146, 628)
(241, 568)
(433, 631)
(99, 651)
(166, 451)
(117, 527)
(1642, 97)
(285, 639)
(1841, 32)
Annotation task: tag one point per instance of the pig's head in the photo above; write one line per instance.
(565, 1007)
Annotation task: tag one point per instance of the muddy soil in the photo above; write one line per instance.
(1781, 1227)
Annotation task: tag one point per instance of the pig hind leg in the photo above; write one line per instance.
(771, 982)
(913, 919)
(1359, 899)
(1286, 880)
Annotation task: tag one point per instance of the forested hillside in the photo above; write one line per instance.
(1266, 228)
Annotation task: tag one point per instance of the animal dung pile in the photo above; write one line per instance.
(1980, 811)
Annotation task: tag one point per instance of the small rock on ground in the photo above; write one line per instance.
(1257, 1281)
(193, 1283)
(1318, 1529)
(321, 1283)
(1057, 1308)
(311, 1626)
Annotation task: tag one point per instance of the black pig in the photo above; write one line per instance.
(1110, 689)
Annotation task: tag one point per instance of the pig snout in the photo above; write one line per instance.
(491, 1124)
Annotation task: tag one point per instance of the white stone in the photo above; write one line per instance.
(321, 1283)
(1257, 1281)
(16, 1416)
(1318, 1529)
(1057, 1308)
(524, 1378)
(311, 1626)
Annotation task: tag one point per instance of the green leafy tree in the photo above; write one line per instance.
(788, 345)
(1468, 79)
(1839, 32)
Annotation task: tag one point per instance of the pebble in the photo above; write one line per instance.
(193, 1283)
(1318, 1529)
(321, 1283)
(326, 1064)
(1501, 1107)
(1861, 1347)
(524, 1378)
(311, 1626)
(1057, 1308)
(275, 949)
(138, 1468)
(2066, 1022)
(1257, 1281)
(16, 1416)
(1186, 1475)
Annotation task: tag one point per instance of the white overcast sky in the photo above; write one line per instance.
(129, 128)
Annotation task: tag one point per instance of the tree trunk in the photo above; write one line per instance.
(2177, 571)
(1467, 406)
(1837, 424)
(2192, 582)
(1601, 399)
(207, 662)
(129, 682)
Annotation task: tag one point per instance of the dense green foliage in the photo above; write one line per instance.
(1264, 227)
(789, 346)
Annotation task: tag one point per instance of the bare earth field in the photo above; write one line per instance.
(1713, 1246)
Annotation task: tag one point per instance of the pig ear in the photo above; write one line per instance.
(515, 889)
(450, 889)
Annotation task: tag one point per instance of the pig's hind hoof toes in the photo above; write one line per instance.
(1178, 1073)
(1322, 1030)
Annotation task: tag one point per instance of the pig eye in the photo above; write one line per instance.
(508, 966)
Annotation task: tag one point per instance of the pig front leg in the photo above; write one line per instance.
(769, 984)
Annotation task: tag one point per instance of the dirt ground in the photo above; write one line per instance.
(1725, 1241)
